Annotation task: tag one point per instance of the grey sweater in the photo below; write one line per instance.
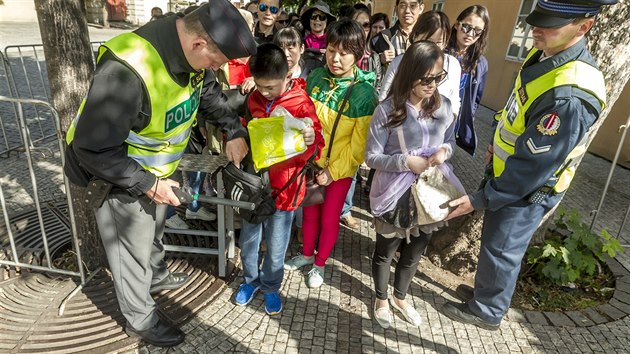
(383, 150)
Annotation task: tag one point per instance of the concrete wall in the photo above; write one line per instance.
(18, 11)
(608, 137)
(139, 11)
(95, 12)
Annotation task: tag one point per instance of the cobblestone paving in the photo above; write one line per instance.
(338, 316)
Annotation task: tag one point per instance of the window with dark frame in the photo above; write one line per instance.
(521, 41)
(438, 5)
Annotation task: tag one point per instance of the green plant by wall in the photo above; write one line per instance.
(572, 251)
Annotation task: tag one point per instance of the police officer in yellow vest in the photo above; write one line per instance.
(130, 133)
(540, 135)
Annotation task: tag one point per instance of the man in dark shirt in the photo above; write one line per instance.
(124, 135)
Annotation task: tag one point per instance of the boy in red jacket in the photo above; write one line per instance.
(275, 87)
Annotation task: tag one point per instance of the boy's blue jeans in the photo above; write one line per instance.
(277, 233)
(195, 180)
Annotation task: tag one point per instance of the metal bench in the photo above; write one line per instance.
(225, 214)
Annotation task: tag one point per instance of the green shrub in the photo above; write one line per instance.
(572, 251)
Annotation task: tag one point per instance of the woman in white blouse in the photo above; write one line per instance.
(433, 26)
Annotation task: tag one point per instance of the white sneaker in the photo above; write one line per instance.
(315, 277)
(298, 262)
(201, 214)
(175, 222)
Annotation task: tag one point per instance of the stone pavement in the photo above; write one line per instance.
(338, 316)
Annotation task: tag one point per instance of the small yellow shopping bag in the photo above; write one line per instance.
(275, 139)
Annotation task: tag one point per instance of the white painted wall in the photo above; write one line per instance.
(18, 11)
(139, 11)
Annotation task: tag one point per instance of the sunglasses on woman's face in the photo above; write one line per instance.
(283, 22)
(264, 7)
(428, 80)
(470, 30)
(319, 17)
(365, 24)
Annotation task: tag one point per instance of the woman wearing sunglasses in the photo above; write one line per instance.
(315, 20)
(468, 43)
(410, 131)
(283, 20)
(268, 12)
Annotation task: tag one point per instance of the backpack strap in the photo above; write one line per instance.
(300, 172)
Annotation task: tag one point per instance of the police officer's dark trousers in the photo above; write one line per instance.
(131, 229)
(504, 240)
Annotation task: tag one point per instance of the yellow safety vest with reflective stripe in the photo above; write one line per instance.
(574, 73)
(159, 147)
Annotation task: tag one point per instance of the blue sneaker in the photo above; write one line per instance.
(273, 303)
(245, 294)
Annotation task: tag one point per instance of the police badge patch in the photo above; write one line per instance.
(549, 124)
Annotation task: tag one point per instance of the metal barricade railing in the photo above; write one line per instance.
(27, 77)
(23, 75)
(14, 259)
(597, 211)
(6, 109)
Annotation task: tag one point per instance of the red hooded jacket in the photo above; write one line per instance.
(297, 102)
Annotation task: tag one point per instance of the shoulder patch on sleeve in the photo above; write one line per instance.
(537, 149)
(549, 124)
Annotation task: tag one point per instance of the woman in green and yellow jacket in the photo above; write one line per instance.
(327, 87)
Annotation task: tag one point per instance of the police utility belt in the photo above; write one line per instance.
(547, 189)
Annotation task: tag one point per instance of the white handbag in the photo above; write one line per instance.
(431, 192)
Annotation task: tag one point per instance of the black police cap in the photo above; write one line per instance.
(558, 13)
(227, 28)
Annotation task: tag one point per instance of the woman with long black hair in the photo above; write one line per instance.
(410, 131)
(468, 42)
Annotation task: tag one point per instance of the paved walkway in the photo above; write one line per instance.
(338, 316)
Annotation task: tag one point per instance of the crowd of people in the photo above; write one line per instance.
(399, 98)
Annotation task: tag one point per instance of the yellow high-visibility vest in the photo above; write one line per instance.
(509, 128)
(160, 145)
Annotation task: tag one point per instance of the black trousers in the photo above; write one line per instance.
(405, 268)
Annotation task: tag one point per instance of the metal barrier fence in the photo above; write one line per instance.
(23, 75)
(597, 211)
(14, 258)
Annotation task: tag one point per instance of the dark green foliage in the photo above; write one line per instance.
(572, 252)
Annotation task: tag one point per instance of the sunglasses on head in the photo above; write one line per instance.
(263, 7)
(319, 17)
(428, 80)
(470, 30)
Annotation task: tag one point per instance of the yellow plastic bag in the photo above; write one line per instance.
(275, 139)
